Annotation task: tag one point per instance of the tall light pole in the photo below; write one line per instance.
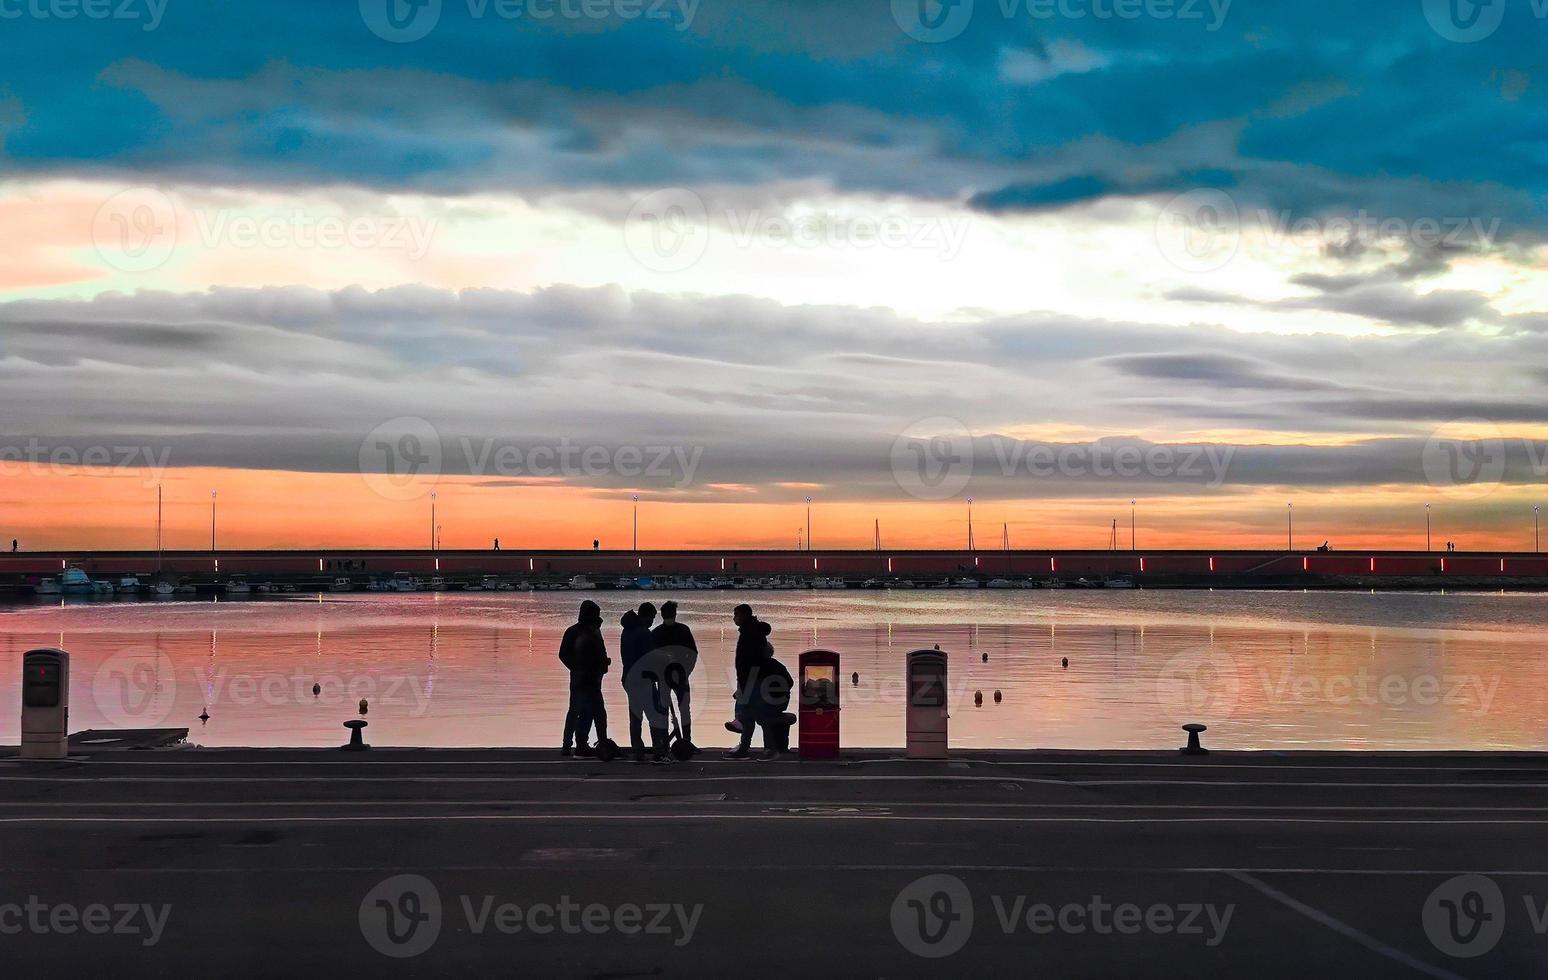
(636, 499)
(808, 524)
(1536, 546)
(1428, 545)
(970, 523)
(432, 520)
(1290, 526)
(212, 520)
(1132, 505)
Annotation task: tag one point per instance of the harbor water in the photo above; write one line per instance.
(1028, 669)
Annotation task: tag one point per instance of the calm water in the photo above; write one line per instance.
(1262, 669)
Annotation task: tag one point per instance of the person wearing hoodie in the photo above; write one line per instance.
(583, 652)
(675, 641)
(752, 652)
(641, 684)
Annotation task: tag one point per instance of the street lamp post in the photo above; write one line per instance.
(1536, 546)
(970, 523)
(636, 522)
(1290, 527)
(1428, 540)
(432, 520)
(808, 524)
(1132, 505)
(212, 520)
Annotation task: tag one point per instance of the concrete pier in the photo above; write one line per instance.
(1204, 568)
(276, 862)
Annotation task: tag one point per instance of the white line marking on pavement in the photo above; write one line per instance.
(780, 868)
(663, 780)
(1344, 929)
(662, 804)
(745, 816)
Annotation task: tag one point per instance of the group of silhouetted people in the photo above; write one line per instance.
(657, 666)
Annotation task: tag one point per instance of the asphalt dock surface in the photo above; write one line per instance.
(400, 862)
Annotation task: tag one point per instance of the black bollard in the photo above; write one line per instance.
(1066, 663)
(1193, 747)
(356, 741)
(997, 697)
(364, 706)
(978, 698)
(854, 679)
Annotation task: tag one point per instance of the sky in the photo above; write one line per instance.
(1209, 265)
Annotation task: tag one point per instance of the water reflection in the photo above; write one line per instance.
(1263, 670)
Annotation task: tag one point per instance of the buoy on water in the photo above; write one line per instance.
(854, 679)
(1066, 663)
(997, 697)
(364, 706)
(978, 697)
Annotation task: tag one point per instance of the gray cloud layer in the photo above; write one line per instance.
(294, 379)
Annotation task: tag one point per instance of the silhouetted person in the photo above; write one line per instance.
(675, 641)
(584, 652)
(497, 544)
(641, 684)
(752, 650)
(13, 544)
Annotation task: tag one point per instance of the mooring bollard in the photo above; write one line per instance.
(1193, 747)
(356, 742)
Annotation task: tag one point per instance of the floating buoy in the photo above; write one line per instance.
(997, 697)
(316, 690)
(978, 697)
(986, 658)
(854, 678)
(364, 706)
(204, 716)
(1066, 663)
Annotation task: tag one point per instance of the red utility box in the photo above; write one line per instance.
(819, 717)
